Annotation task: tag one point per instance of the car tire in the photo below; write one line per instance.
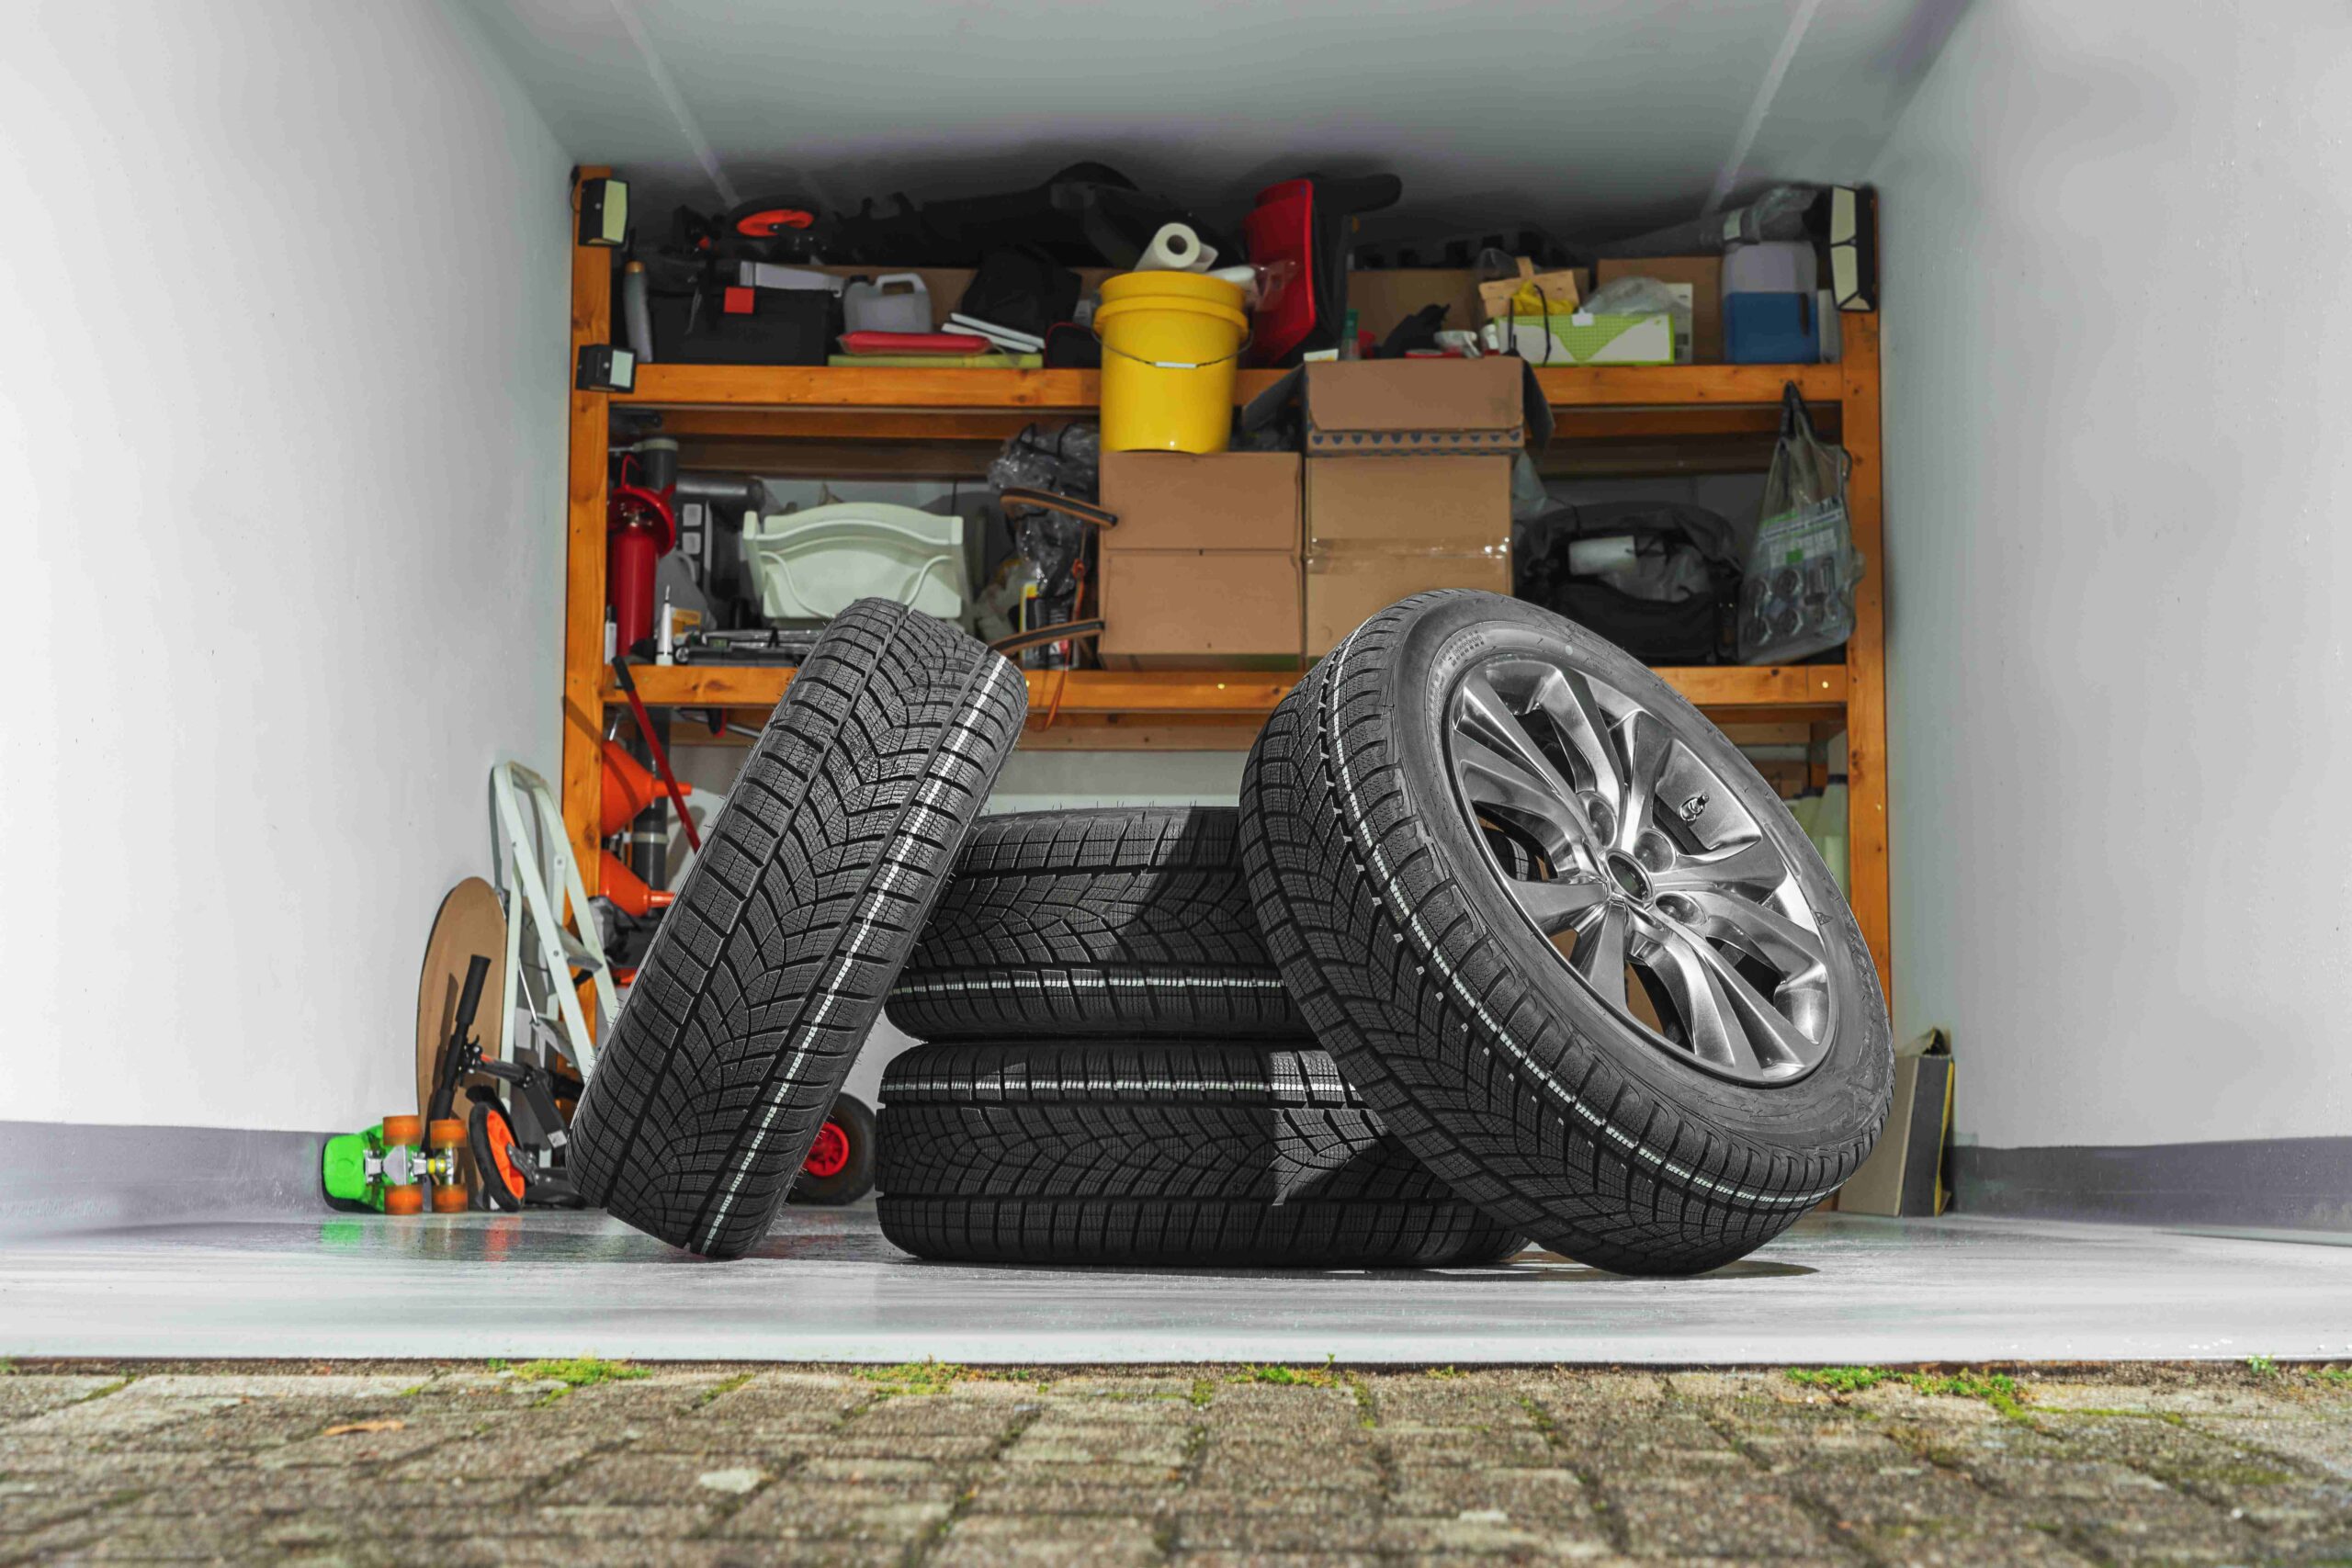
(812, 885)
(1416, 944)
(1120, 924)
(1162, 1152)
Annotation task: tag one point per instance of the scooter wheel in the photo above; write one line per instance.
(490, 1139)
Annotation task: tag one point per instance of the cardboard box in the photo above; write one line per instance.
(1199, 610)
(1381, 297)
(1220, 500)
(1531, 293)
(1904, 1175)
(1704, 277)
(1380, 529)
(1411, 408)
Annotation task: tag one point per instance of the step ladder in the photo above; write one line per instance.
(533, 860)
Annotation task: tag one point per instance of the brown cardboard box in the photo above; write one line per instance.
(1704, 275)
(1202, 572)
(1222, 500)
(1381, 297)
(1381, 529)
(1412, 408)
(1199, 610)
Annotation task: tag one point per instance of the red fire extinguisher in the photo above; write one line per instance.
(639, 529)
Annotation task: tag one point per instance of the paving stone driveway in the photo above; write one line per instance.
(586, 1462)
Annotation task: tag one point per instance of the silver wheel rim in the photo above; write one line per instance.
(1641, 867)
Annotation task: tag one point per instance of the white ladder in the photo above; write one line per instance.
(543, 1003)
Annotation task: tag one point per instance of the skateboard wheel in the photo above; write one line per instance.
(448, 1133)
(448, 1197)
(405, 1200)
(403, 1130)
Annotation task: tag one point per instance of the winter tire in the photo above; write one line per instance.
(1571, 947)
(1114, 923)
(813, 880)
(1157, 1152)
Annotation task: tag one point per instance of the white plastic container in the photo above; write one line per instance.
(894, 302)
(1777, 266)
(811, 565)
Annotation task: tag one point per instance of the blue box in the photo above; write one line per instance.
(1771, 329)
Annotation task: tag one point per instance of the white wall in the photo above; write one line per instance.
(283, 426)
(2118, 360)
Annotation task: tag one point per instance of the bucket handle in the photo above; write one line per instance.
(1247, 339)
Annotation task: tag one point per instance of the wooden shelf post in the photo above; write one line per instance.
(583, 598)
(1866, 837)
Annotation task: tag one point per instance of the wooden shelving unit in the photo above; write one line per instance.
(849, 421)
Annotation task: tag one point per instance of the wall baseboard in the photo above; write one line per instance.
(66, 1175)
(2283, 1183)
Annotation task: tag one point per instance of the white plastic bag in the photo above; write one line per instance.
(1798, 597)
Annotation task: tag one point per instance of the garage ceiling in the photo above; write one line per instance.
(1588, 118)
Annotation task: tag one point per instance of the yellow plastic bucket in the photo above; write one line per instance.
(1171, 347)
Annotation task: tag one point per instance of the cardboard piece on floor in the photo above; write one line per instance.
(1904, 1175)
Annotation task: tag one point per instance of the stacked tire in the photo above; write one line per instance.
(1114, 1073)
(1504, 940)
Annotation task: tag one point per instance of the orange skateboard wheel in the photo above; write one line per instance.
(403, 1200)
(403, 1130)
(448, 1133)
(448, 1197)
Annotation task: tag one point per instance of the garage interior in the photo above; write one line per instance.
(336, 454)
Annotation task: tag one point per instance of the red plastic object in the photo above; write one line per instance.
(1281, 229)
(914, 343)
(627, 890)
(629, 787)
(740, 300)
(830, 1154)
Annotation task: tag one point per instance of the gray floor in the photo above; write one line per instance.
(827, 1287)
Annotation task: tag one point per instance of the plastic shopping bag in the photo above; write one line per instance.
(1798, 596)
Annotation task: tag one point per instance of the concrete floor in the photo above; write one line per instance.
(825, 1286)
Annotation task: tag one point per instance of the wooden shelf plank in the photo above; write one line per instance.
(843, 386)
(1777, 692)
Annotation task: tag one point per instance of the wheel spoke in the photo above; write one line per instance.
(1599, 955)
(1779, 940)
(1646, 746)
(1755, 863)
(1576, 715)
(1709, 1026)
(1499, 763)
(1738, 1019)
(1491, 779)
(1556, 907)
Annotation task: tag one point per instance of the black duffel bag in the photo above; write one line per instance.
(1659, 579)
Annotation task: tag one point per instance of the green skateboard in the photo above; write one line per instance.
(388, 1166)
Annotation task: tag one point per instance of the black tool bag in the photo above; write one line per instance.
(1659, 579)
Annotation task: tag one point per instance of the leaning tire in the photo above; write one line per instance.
(763, 978)
(1157, 1153)
(1699, 1053)
(1107, 922)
